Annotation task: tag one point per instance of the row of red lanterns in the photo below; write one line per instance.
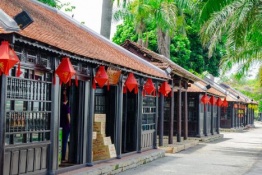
(213, 101)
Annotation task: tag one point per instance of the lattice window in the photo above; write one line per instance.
(28, 107)
(149, 112)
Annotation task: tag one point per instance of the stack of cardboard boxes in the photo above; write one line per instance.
(102, 145)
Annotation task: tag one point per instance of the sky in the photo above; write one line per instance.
(89, 12)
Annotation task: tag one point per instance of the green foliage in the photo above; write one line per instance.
(250, 88)
(57, 4)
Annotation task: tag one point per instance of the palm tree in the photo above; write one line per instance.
(240, 23)
(106, 18)
(161, 13)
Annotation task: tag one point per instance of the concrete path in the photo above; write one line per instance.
(235, 154)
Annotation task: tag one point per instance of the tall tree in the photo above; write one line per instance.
(106, 18)
(240, 23)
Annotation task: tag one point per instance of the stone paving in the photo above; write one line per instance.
(238, 153)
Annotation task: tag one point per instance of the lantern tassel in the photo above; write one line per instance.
(94, 84)
(70, 82)
(18, 73)
(60, 82)
(136, 89)
(54, 79)
(76, 81)
(108, 85)
(124, 90)
(144, 93)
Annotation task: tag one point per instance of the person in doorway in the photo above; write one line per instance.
(65, 124)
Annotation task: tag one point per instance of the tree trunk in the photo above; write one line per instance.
(163, 43)
(106, 18)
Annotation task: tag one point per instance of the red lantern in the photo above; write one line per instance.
(204, 99)
(213, 100)
(8, 58)
(65, 70)
(101, 77)
(225, 103)
(131, 83)
(165, 89)
(149, 87)
(219, 102)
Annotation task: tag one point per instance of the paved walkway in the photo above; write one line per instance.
(235, 154)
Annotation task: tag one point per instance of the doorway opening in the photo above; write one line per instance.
(129, 127)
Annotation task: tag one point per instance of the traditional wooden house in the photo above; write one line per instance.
(240, 111)
(106, 104)
(204, 108)
(173, 117)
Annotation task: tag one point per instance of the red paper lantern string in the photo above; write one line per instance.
(65, 71)
(219, 102)
(101, 77)
(8, 58)
(205, 100)
(213, 100)
(131, 83)
(149, 87)
(165, 89)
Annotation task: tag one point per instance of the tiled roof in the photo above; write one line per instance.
(200, 87)
(52, 28)
(176, 68)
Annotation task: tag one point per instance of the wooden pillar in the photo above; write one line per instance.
(118, 134)
(205, 118)
(156, 119)
(54, 125)
(161, 121)
(139, 116)
(179, 110)
(186, 113)
(171, 129)
(90, 119)
(218, 119)
(2, 121)
(212, 120)
(234, 114)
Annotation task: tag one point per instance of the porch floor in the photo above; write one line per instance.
(114, 166)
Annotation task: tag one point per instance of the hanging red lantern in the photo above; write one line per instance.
(149, 87)
(65, 70)
(131, 83)
(165, 89)
(205, 99)
(8, 58)
(213, 100)
(225, 103)
(219, 102)
(101, 77)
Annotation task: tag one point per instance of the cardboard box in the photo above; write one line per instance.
(94, 135)
(100, 118)
(102, 140)
(99, 127)
(104, 152)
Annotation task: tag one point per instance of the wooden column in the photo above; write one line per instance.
(205, 118)
(233, 117)
(179, 110)
(171, 129)
(218, 119)
(54, 125)
(90, 119)
(212, 120)
(118, 138)
(186, 113)
(161, 120)
(139, 116)
(2, 121)
(156, 119)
